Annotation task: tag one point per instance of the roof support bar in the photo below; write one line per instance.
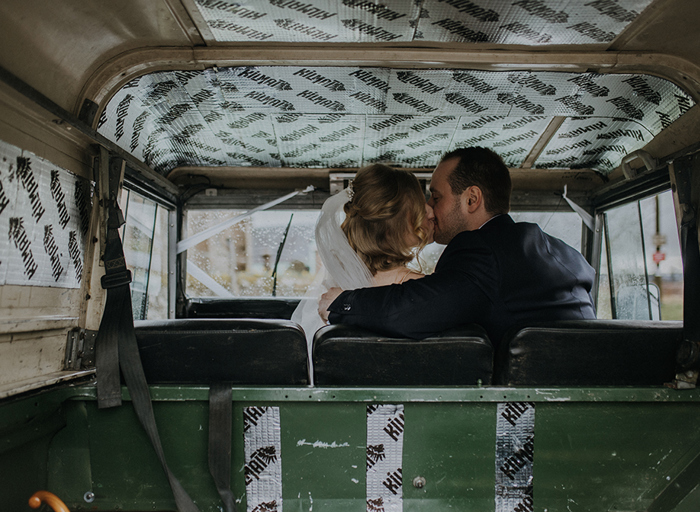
(542, 142)
(185, 244)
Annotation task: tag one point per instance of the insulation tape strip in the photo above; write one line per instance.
(385, 426)
(515, 443)
(44, 221)
(263, 459)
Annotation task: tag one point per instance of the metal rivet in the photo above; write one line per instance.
(89, 497)
(419, 482)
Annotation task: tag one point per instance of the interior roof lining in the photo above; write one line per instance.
(530, 22)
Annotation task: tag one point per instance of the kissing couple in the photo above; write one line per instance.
(494, 272)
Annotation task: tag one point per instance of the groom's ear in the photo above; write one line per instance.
(472, 198)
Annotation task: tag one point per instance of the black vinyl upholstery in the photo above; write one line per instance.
(589, 353)
(242, 351)
(269, 307)
(347, 355)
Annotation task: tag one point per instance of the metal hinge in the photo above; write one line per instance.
(80, 349)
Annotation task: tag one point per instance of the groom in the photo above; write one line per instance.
(493, 272)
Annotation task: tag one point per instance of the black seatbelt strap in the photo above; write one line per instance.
(113, 323)
(116, 345)
(220, 413)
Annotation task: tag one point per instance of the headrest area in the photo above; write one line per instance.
(239, 351)
(347, 355)
(589, 353)
(249, 308)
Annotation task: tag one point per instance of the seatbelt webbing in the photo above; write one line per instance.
(220, 414)
(116, 348)
(130, 363)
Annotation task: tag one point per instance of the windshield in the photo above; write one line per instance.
(241, 260)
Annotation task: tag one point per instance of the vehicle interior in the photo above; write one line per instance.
(162, 167)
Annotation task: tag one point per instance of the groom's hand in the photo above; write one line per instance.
(326, 300)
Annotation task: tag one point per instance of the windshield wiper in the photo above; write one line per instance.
(277, 258)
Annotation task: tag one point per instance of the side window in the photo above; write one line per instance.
(641, 274)
(663, 251)
(627, 271)
(145, 241)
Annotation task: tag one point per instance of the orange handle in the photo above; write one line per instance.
(53, 501)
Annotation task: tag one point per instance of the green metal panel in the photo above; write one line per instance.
(69, 459)
(617, 456)
(323, 456)
(422, 395)
(452, 447)
(26, 429)
(595, 449)
(126, 473)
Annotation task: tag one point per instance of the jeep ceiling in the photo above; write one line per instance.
(238, 90)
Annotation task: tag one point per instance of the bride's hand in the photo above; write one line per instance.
(326, 300)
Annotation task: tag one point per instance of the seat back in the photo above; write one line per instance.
(589, 353)
(347, 355)
(241, 351)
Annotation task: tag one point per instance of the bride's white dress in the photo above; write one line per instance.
(342, 267)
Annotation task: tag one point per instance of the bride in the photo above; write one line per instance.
(366, 235)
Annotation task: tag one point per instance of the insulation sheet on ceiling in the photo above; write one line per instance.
(529, 22)
(345, 117)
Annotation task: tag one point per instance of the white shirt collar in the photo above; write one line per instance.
(498, 215)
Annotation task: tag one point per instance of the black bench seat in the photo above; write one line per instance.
(589, 353)
(239, 351)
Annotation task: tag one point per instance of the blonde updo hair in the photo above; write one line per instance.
(387, 206)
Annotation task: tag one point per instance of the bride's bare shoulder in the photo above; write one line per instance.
(413, 275)
(395, 276)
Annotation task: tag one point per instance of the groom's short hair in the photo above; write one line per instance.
(485, 169)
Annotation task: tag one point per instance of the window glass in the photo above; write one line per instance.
(138, 241)
(239, 261)
(603, 301)
(626, 263)
(145, 243)
(643, 261)
(157, 305)
(124, 205)
(663, 253)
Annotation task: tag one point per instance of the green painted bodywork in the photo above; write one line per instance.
(622, 449)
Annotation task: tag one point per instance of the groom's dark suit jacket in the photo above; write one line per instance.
(499, 276)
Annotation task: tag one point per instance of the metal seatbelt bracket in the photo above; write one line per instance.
(80, 349)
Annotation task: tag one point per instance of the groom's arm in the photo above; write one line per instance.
(456, 294)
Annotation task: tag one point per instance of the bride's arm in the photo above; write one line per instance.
(329, 297)
(326, 300)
